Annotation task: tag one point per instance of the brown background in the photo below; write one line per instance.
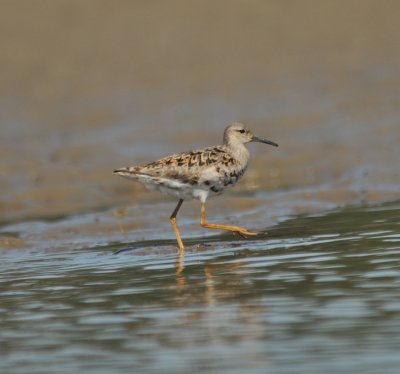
(86, 86)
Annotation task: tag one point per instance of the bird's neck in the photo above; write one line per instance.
(239, 152)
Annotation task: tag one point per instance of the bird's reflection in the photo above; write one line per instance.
(179, 266)
(209, 294)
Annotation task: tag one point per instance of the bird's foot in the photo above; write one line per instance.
(244, 233)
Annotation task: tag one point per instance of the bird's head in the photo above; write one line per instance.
(238, 133)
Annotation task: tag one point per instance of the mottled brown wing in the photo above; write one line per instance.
(187, 164)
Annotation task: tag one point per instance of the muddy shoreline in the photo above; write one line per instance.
(87, 87)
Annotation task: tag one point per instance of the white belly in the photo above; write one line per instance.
(175, 188)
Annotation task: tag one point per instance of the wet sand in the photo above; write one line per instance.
(89, 86)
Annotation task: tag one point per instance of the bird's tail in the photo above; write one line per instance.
(127, 172)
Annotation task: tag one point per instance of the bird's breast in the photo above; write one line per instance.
(217, 178)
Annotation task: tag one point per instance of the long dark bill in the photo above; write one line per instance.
(260, 140)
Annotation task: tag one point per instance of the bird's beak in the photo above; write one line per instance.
(260, 140)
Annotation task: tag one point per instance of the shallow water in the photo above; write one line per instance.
(316, 294)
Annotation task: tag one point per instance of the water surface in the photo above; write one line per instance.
(316, 294)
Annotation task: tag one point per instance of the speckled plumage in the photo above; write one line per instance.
(200, 173)
(190, 175)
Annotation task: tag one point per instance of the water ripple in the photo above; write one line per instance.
(313, 298)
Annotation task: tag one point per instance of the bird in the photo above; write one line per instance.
(199, 174)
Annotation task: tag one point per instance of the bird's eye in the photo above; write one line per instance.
(242, 131)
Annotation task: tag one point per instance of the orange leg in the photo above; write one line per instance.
(175, 227)
(236, 229)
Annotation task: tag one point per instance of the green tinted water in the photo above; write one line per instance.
(317, 294)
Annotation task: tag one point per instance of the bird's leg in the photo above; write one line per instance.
(175, 227)
(236, 229)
